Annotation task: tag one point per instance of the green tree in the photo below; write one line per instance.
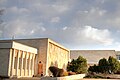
(103, 65)
(114, 64)
(79, 65)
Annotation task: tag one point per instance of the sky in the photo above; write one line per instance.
(76, 24)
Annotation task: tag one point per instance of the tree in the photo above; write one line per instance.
(79, 65)
(103, 65)
(114, 64)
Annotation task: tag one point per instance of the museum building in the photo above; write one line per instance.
(20, 57)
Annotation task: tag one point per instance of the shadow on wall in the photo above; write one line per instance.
(64, 66)
(54, 64)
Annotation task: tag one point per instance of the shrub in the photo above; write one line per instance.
(71, 73)
(54, 70)
(103, 65)
(111, 65)
(78, 66)
(114, 64)
(58, 72)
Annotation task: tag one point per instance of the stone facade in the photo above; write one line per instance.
(49, 53)
(92, 56)
(57, 55)
(17, 59)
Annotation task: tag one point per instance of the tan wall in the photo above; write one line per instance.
(4, 61)
(11, 59)
(41, 45)
(92, 56)
(60, 53)
(57, 56)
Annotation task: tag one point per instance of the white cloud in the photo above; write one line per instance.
(43, 28)
(26, 19)
(97, 35)
(23, 28)
(97, 11)
(60, 8)
(102, 12)
(17, 10)
(115, 22)
(64, 28)
(55, 19)
(2, 1)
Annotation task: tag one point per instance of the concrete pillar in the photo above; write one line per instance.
(21, 68)
(10, 62)
(29, 64)
(13, 61)
(25, 71)
(33, 60)
(17, 67)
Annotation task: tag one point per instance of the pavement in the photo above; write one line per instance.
(36, 78)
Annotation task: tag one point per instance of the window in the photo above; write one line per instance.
(118, 57)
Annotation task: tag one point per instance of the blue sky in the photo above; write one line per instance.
(76, 24)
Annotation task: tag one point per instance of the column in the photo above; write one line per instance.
(25, 71)
(29, 63)
(10, 62)
(17, 67)
(33, 60)
(21, 68)
(13, 63)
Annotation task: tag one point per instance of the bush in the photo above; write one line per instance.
(103, 65)
(71, 73)
(106, 66)
(58, 72)
(78, 66)
(54, 70)
(114, 64)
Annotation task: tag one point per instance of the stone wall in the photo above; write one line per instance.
(92, 56)
(4, 61)
(17, 59)
(49, 52)
(57, 56)
(41, 45)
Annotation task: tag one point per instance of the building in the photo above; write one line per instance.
(92, 56)
(118, 55)
(48, 52)
(17, 59)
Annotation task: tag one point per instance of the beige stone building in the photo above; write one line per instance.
(17, 59)
(92, 56)
(48, 52)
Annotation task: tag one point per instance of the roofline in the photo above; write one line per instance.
(22, 39)
(57, 44)
(49, 40)
(92, 50)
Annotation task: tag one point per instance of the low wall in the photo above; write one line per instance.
(71, 77)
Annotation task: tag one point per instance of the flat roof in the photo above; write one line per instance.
(16, 45)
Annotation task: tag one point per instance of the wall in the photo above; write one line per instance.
(4, 61)
(57, 55)
(92, 56)
(41, 45)
(13, 56)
